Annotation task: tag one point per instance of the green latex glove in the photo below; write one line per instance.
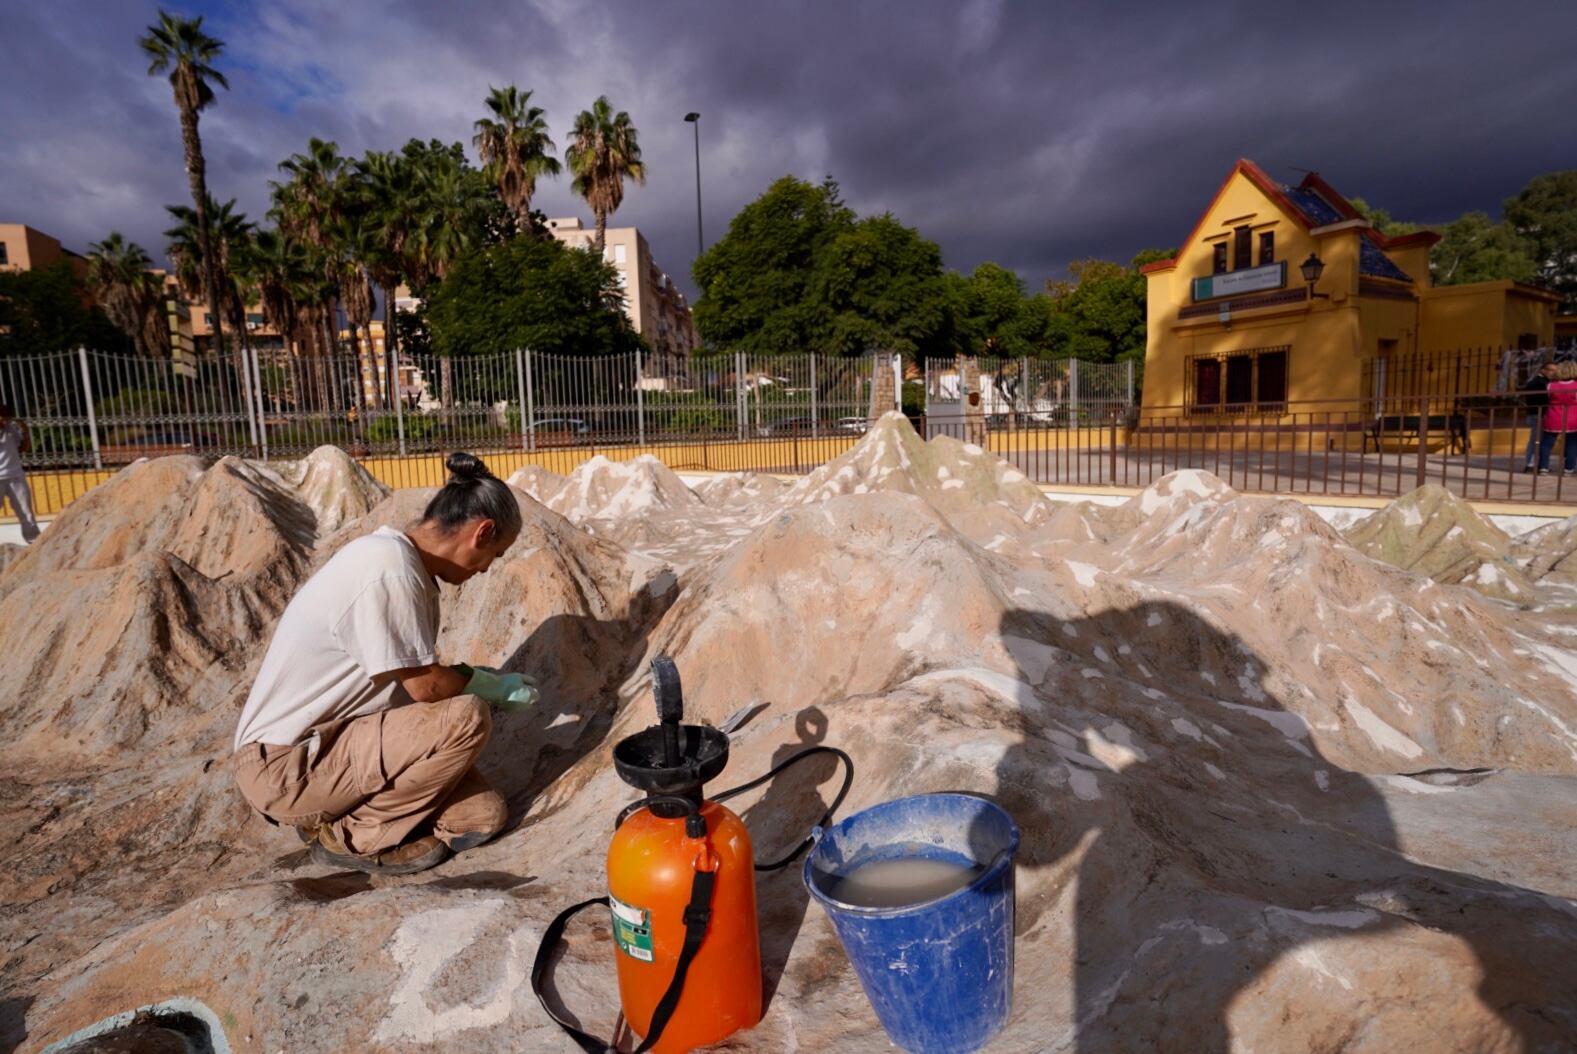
(507, 691)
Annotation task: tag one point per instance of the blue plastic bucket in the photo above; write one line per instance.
(939, 973)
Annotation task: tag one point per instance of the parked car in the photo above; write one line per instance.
(561, 431)
(159, 444)
(856, 425)
(796, 426)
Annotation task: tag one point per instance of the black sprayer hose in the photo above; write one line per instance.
(826, 817)
(692, 813)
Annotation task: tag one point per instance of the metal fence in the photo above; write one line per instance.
(1476, 445)
(1062, 422)
(1025, 393)
(1447, 373)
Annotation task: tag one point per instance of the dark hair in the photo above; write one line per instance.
(473, 493)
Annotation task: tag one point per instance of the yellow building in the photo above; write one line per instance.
(1234, 322)
(654, 305)
(23, 248)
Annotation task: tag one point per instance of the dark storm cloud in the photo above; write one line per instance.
(1026, 133)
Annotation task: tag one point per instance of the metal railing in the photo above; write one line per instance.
(1476, 445)
(1447, 373)
(1017, 393)
(1062, 422)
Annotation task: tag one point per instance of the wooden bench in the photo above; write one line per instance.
(1412, 426)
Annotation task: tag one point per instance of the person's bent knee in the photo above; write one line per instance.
(470, 720)
(484, 816)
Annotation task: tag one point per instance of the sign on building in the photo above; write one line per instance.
(1248, 280)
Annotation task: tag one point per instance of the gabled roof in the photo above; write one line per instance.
(1313, 203)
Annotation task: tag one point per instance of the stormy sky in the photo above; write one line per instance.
(1027, 133)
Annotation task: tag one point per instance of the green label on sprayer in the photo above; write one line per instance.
(632, 929)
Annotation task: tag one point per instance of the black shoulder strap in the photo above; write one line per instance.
(697, 915)
(539, 969)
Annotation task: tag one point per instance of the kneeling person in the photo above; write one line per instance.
(353, 732)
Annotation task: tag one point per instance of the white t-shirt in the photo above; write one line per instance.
(371, 609)
(11, 451)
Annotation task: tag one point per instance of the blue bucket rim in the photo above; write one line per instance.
(1002, 862)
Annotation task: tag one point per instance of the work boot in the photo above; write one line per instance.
(405, 859)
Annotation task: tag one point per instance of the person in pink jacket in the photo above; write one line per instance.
(1560, 418)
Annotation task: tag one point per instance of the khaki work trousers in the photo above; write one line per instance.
(376, 778)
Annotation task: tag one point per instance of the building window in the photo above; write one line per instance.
(1242, 248)
(619, 253)
(1219, 264)
(1267, 247)
(1244, 381)
(4, 259)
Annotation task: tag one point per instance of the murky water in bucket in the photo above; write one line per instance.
(906, 880)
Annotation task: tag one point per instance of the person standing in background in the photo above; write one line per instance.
(14, 442)
(1535, 400)
(1560, 418)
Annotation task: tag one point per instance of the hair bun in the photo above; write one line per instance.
(463, 466)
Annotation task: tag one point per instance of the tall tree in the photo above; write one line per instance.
(515, 149)
(47, 309)
(1545, 214)
(230, 234)
(179, 47)
(755, 280)
(529, 292)
(603, 154)
(1475, 248)
(130, 293)
(1100, 314)
(307, 206)
(383, 185)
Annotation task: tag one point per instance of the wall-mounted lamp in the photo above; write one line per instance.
(1312, 268)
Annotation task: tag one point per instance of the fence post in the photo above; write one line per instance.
(640, 401)
(814, 420)
(257, 392)
(1423, 440)
(399, 403)
(87, 393)
(1111, 479)
(1026, 390)
(1073, 393)
(531, 407)
(244, 389)
(520, 391)
(1129, 364)
(739, 392)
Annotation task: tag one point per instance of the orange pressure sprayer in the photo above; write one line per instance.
(681, 891)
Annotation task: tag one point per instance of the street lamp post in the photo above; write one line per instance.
(695, 121)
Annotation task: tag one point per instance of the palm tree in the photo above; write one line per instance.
(180, 47)
(130, 293)
(307, 206)
(356, 240)
(515, 149)
(448, 201)
(230, 233)
(603, 153)
(384, 184)
(290, 289)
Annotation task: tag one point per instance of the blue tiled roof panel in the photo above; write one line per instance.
(1371, 260)
(1315, 209)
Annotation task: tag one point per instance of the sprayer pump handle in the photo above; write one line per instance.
(668, 691)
